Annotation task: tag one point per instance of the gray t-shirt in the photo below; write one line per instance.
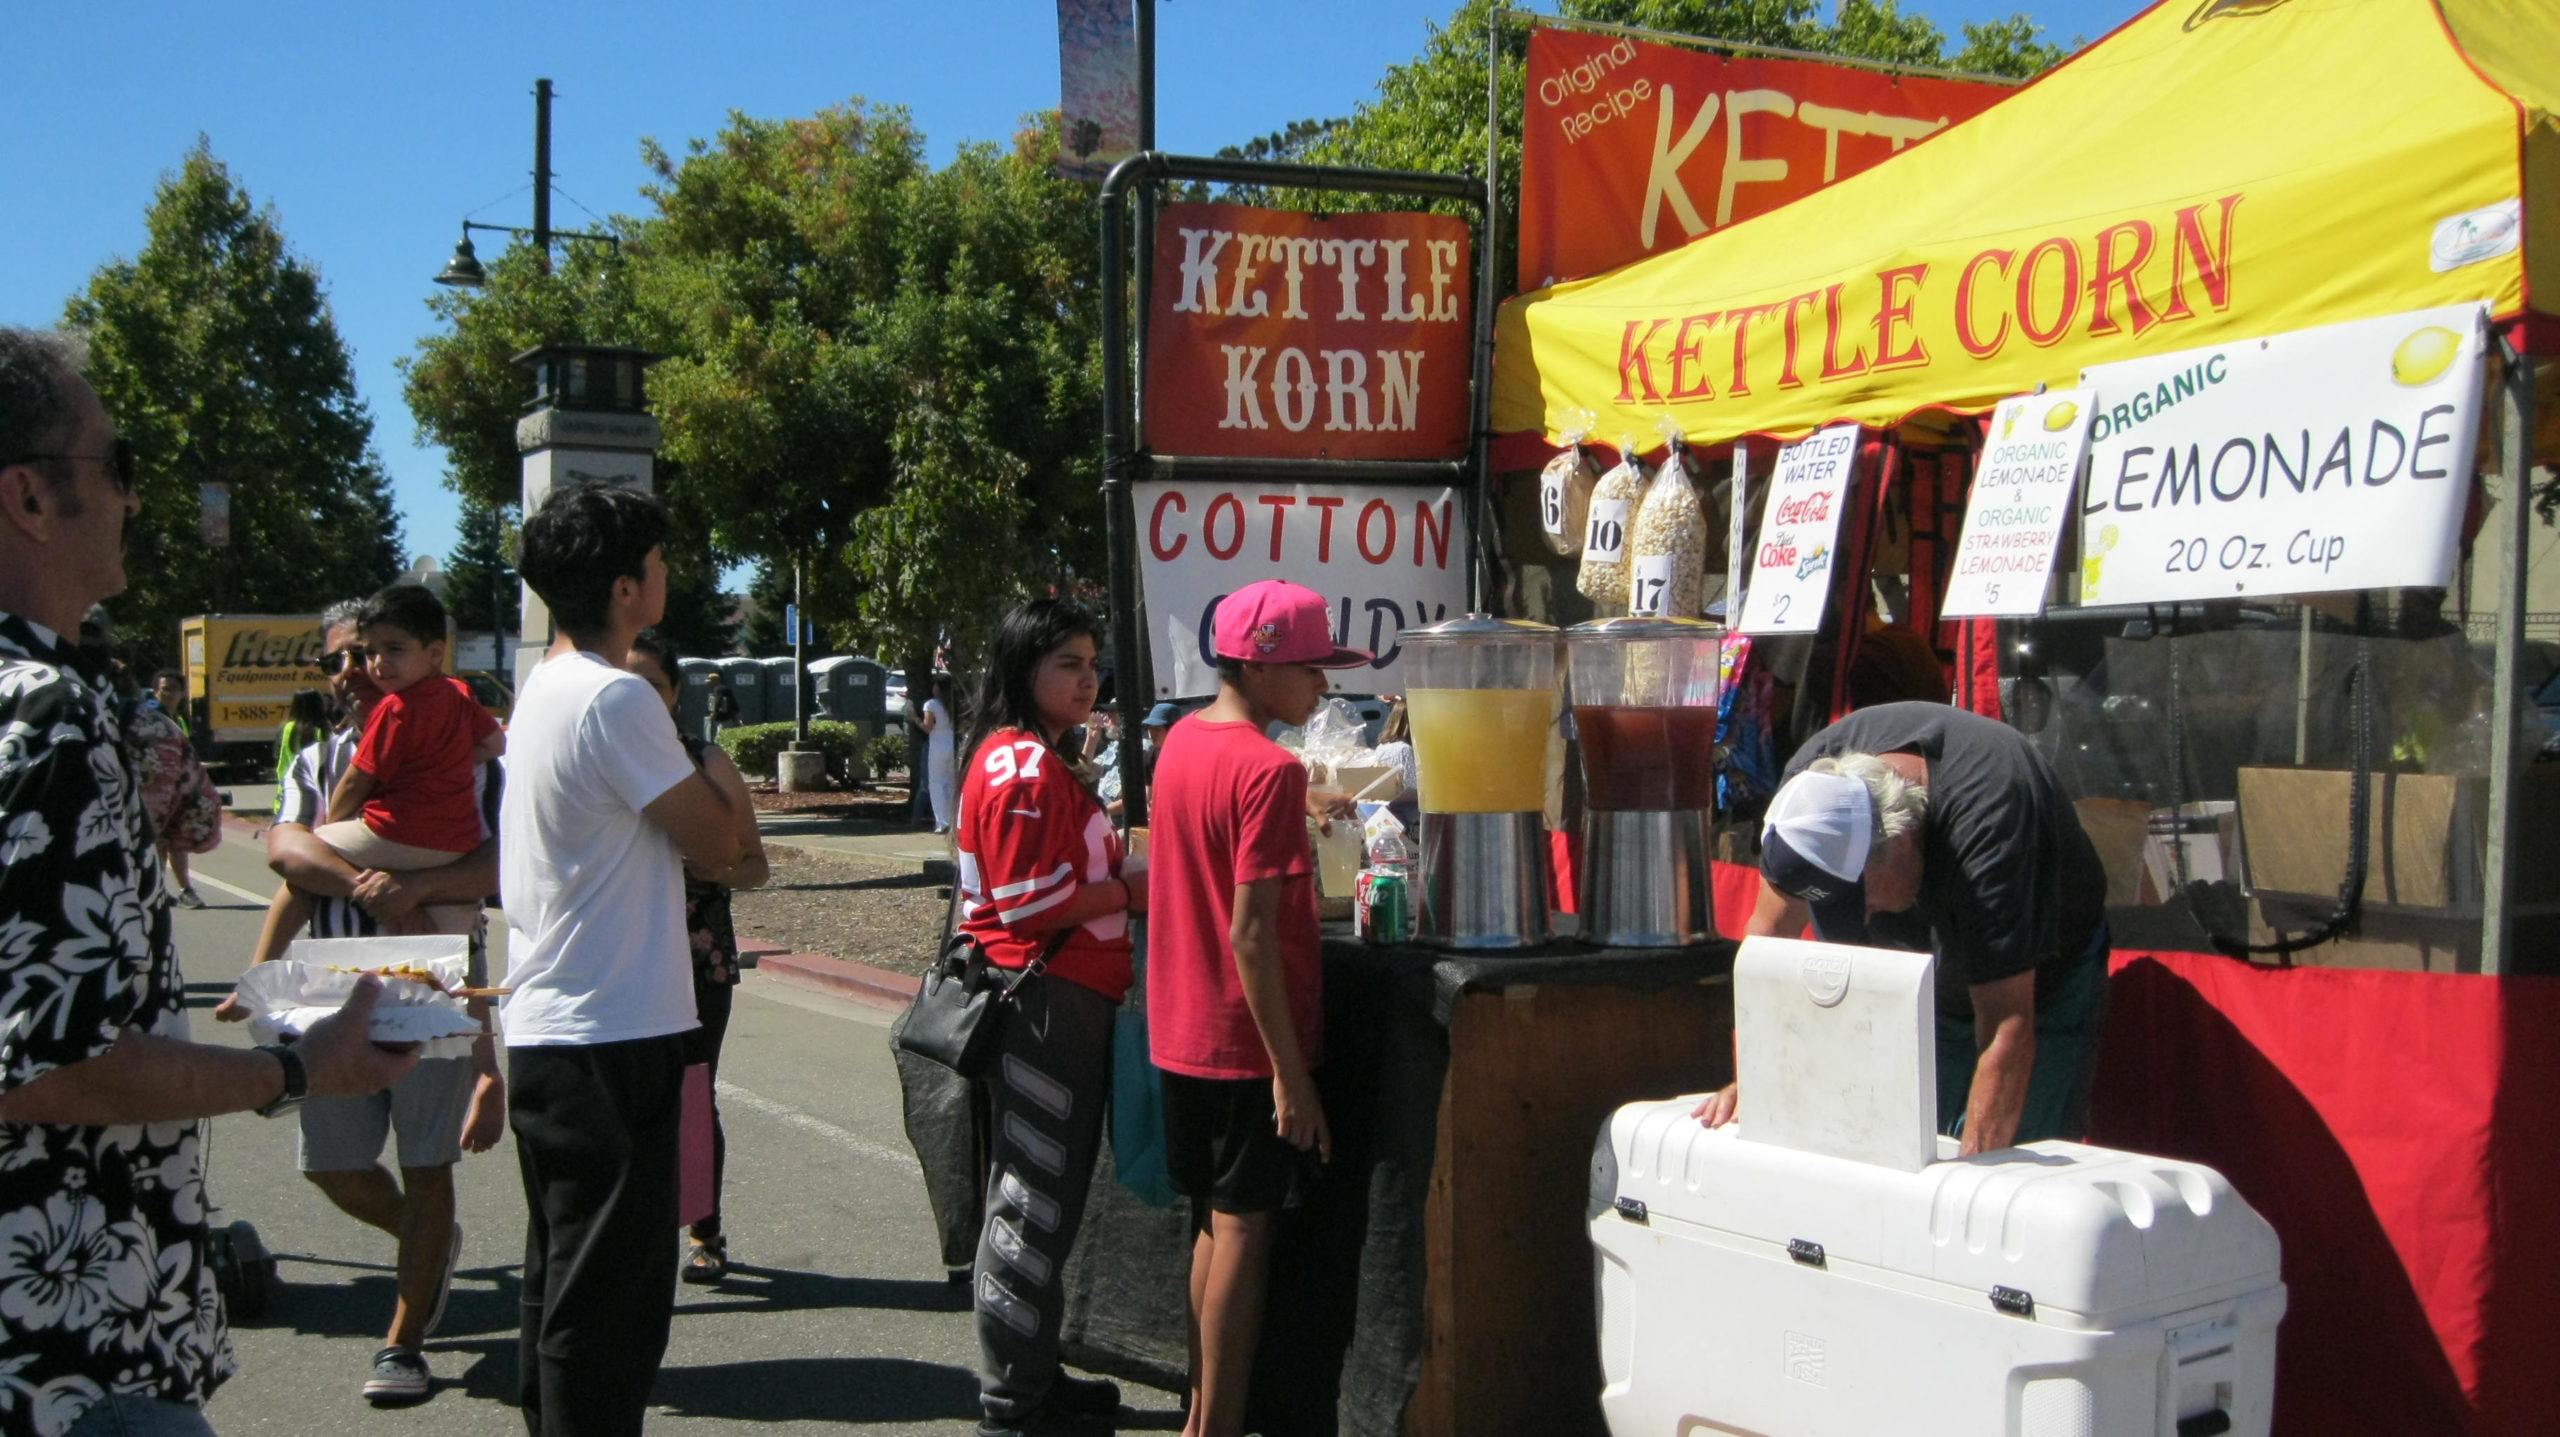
(2009, 882)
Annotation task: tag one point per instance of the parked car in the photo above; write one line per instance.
(897, 695)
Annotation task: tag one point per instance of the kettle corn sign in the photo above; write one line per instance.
(1277, 334)
(2325, 459)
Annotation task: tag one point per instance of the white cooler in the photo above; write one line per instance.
(2053, 1290)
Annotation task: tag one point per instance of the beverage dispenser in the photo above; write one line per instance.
(1481, 698)
(1644, 707)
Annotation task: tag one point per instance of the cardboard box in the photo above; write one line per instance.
(2425, 843)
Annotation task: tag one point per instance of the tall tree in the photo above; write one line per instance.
(480, 574)
(880, 369)
(215, 351)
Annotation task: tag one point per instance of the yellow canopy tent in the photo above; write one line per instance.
(2214, 169)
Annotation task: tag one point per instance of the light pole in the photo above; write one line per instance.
(463, 271)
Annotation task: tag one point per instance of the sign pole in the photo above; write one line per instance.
(2515, 508)
(1480, 591)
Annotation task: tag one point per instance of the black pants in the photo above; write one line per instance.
(711, 1003)
(595, 1135)
(1045, 1096)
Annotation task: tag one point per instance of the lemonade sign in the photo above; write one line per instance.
(2321, 460)
(2021, 500)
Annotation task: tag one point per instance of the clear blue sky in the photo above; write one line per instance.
(373, 128)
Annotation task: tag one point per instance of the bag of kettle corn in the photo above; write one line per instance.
(1605, 531)
(1667, 552)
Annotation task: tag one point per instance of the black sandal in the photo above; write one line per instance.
(709, 1262)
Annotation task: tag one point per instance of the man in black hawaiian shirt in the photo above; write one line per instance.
(109, 1320)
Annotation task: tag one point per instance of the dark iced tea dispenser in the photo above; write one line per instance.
(1644, 708)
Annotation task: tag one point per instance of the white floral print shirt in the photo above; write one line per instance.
(104, 1283)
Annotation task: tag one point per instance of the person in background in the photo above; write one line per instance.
(410, 801)
(714, 937)
(1151, 732)
(939, 743)
(111, 1322)
(306, 722)
(169, 695)
(723, 711)
(1041, 873)
(445, 1107)
(178, 796)
(1395, 750)
(1234, 975)
(603, 809)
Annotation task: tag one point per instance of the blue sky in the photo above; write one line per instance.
(372, 129)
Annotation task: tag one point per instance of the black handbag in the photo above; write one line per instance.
(962, 1004)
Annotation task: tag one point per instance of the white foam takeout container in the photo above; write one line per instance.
(287, 996)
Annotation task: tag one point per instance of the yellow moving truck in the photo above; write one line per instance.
(242, 671)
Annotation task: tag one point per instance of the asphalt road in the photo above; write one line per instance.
(837, 1314)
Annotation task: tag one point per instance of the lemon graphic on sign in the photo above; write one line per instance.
(2091, 563)
(2060, 416)
(2423, 357)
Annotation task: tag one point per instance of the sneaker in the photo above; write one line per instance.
(444, 1286)
(188, 898)
(708, 1263)
(1085, 1396)
(399, 1375)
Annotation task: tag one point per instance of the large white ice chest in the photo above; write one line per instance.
(2054, 1290)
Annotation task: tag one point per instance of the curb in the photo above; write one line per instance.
(837, 977)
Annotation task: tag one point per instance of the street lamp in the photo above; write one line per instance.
(463, 271)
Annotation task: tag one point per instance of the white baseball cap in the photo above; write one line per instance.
(1814, 845)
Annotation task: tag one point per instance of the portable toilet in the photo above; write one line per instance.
(746, 679)
(780, 674)
(852, 690)
(693, 693)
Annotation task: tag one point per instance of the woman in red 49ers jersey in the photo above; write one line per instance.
(1041, 873)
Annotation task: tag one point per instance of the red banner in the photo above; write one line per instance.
(1279, 334)
(1628, 149)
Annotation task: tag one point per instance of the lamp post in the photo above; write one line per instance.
(463, 271)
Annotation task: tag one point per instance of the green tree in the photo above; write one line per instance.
(481, 572)
(215, 351)
(1429, 113)
(882, 370)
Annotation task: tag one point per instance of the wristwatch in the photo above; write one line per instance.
(297, 1083)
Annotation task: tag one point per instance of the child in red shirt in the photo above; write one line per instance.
(1234, 982)
(410, 800)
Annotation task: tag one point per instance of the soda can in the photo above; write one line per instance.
(1389, 918)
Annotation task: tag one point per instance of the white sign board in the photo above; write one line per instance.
(1385, 557)
(1791, 573)
(2320, 460)
(2021, 500)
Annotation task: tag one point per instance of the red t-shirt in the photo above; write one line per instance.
(417, 745)
(1029, 836)
(1230, 807)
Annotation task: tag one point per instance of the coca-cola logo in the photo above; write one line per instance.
(1814, 508)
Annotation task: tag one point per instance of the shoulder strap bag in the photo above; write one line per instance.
(963, 1003)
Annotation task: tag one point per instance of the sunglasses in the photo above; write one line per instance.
(122, 465)
(336, 663)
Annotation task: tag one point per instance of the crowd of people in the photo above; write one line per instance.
(614, 840)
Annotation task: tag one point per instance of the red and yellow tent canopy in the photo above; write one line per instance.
(2214, 169)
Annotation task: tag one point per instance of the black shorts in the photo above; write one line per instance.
(1222, 1146)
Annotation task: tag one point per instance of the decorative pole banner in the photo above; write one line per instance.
(1791, 575)
(1097, 86)
(1281, 334)
(1386, 557)
(1628, 149)
(2320, 460)
(2021, 501)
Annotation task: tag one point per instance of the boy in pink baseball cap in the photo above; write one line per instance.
(1234, 977)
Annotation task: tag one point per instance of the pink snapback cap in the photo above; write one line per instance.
(1277, 622)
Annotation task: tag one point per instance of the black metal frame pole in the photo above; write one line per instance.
(1142, 172)
(1480, 374)
(542, 173)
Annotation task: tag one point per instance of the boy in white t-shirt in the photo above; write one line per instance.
(601, 816)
